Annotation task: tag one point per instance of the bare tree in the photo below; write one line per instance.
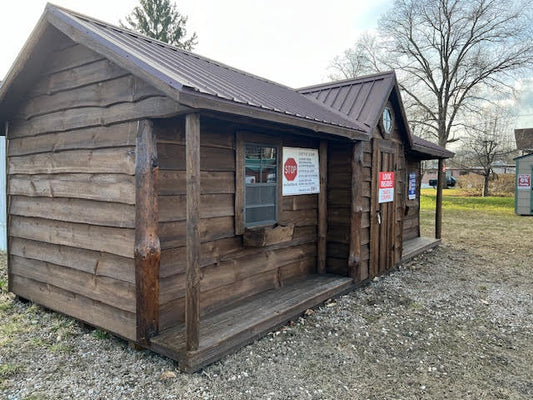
(487, 141)
(449, 55)
(454, 51)
(362, 59)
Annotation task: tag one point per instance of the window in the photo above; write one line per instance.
(260, 184)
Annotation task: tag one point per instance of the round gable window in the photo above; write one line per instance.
(386, 120)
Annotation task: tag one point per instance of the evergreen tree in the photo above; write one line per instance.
(160, 19)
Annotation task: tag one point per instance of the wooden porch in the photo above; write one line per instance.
(226, 331)
(416, 246)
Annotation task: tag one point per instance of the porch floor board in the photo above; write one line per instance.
(416, 246)
(226, 331)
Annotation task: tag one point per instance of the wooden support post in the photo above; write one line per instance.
(8, 199)
(192, 297)
(356, 212)
(147, 246)
(239, 180)
(441, 181)
(322, 207)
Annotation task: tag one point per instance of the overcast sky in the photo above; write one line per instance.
(288, 41)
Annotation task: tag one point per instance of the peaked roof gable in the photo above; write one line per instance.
(363, 99)
(190, 79)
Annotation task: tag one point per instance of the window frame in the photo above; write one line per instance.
(242, 138)
(260, 184)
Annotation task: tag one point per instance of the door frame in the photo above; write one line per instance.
(382, 146)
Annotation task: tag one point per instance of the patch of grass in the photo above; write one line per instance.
(38, 342)
(8, 370)
(452, 200)
(3, 285)
(61, 348)
(100, 334)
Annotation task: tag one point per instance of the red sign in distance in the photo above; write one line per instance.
(290, 169)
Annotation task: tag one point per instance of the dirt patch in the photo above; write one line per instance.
(454, 323)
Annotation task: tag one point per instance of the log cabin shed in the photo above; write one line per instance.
(152, 192)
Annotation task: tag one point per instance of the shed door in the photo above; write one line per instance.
(383, 218)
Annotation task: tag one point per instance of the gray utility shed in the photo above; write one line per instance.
(523, 187)
(190, 207)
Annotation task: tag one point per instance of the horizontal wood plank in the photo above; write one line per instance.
(117, 188)
(93, 312)
(123, 89)
(96, 263)
(61, 121)
(74, 55)
(94, 72)
(118, 294)
(302, 202)
(173, 259)
(98, 137)
(173, 182)
(172, 157)
(119, 241)
(173, 208)
(172, 234)
(74, 210)
(119, 160)
(234, 268)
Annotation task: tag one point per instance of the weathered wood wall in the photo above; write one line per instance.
(339, 206)
(411, 219)
(229, 271)
(71, 187)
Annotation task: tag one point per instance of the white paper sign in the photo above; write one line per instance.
(300, 171)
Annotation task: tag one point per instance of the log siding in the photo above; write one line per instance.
(229, 272)
(71, 157)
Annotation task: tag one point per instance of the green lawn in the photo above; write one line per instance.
(488, 223)
(452, 200)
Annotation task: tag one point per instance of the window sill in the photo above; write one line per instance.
(268, 235)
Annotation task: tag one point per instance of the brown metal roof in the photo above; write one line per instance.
(196, 81)
(427, 150)
(524, 138)
(361, 99)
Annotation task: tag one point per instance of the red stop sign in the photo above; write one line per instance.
(290, 169)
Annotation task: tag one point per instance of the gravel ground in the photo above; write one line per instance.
(455, 323)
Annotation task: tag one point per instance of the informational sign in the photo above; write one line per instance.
(524, 182)
(300, 171)
(411, 194)
(386, 187)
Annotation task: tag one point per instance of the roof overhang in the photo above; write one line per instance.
(82, 32)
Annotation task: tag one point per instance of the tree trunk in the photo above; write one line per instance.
(485, 185)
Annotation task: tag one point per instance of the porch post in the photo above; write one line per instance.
(441, 181)
(356, 212)
(147, 247)
(323, 207)
(192, 297)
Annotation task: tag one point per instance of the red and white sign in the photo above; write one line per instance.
(290, 169)
(300, 171)
(523, 182)
(386, 187)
